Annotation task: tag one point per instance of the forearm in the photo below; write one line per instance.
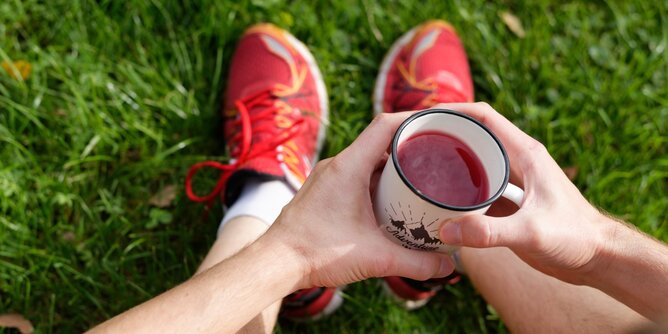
(633, 268)
(222, 299)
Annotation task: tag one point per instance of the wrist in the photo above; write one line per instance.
(610, 244)
(632, 268)
(287, 254)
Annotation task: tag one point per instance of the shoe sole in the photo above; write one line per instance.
(332, 306)
(405, 303)
(320, 88)
(388, 60)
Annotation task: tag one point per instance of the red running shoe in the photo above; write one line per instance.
(275, 117)
(412, 294)
(275, 114)
(311, 304)
(426, 66)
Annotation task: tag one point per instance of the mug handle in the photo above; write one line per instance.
(514, 193)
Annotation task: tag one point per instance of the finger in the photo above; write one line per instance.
(420, 265)
(481, 231)
(513, 138)
(371, 145)
(381, 163)
(375, 176)
(516, 177)
(518, 144)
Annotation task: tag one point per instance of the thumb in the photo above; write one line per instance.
(481, 231)
(420, 265)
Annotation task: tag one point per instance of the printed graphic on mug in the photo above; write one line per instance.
(414, 232)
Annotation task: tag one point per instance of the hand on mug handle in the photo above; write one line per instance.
(555, 230)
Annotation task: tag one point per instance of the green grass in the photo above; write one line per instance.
(124, 96)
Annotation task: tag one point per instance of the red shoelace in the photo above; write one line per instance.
(246, 149)
(438, 92)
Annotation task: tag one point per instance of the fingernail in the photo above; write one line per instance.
(446, 267)
(451, 233)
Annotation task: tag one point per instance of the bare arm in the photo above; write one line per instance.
(322, 238)
(220, 300)
(557, 231)
(633, 268)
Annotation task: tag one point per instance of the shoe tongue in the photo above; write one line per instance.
(249, 90)
(447, 79)
(449, 88)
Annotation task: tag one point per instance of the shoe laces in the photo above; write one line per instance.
(436, 91)
(443, 92)
(265, 105)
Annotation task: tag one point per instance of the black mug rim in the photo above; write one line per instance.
(397, 167)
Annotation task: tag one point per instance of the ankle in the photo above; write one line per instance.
(263, 200)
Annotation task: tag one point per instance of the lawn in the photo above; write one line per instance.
(123, 96)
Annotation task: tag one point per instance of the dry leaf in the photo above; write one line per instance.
(571, 172)
(24, 69)
(164, 197)
(15, 320)
(68, 236)
(513, 23)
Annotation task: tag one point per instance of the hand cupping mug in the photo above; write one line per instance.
(443, 165)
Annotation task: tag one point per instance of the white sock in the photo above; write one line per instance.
(263, 200)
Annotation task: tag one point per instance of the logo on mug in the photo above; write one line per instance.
(411, 232)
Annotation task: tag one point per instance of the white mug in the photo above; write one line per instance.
(411, 218)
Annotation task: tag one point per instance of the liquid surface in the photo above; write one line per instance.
(444, 169)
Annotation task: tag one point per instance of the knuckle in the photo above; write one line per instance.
(286, 213)
(534, 158)
(536, 235)
(485, 236)
(484, 105)
(536, 146)
(530, 163)
(477, 234)
(336, 165)
(320, 165)
(324, 162)
(380, 118)
(489, 237)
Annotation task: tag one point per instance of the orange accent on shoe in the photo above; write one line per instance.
(427, 65)
(272, 113)
(244, 152)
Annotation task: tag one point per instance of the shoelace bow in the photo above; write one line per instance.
(244, 152)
